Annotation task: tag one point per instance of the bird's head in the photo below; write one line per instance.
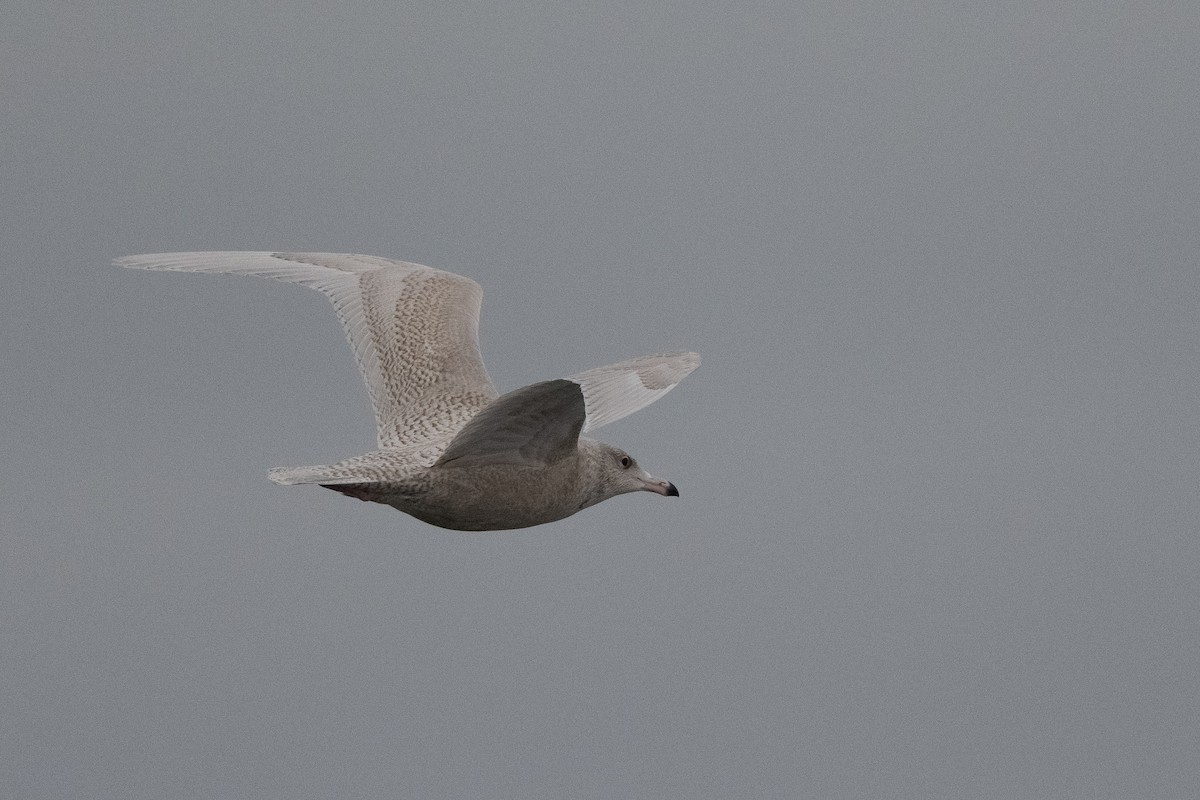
(616, 472)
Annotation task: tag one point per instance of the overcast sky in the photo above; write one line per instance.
(939, 532)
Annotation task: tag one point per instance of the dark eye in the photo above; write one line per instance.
(625, 462)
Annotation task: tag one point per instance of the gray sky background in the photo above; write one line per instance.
(938, 533)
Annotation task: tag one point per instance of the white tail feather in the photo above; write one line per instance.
(325, 474)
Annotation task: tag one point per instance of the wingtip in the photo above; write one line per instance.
(685, 360)
(142, 261)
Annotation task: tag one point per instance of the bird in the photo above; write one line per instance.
(451, 451)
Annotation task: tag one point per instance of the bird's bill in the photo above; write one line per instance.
(659, 486)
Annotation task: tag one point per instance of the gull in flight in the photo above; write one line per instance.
(452, 451)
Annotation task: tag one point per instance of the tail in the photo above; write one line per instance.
(325, 474)
(331, 476)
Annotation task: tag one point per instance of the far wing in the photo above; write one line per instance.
(532, 426)
(617, 390)
(413, 329)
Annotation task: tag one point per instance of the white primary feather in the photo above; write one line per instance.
(413, 329)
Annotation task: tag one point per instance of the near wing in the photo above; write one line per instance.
(540, 423)
(618, 390)
(414, 330)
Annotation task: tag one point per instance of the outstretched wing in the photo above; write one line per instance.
(618, 390)
(533, 426)
(414, 330)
